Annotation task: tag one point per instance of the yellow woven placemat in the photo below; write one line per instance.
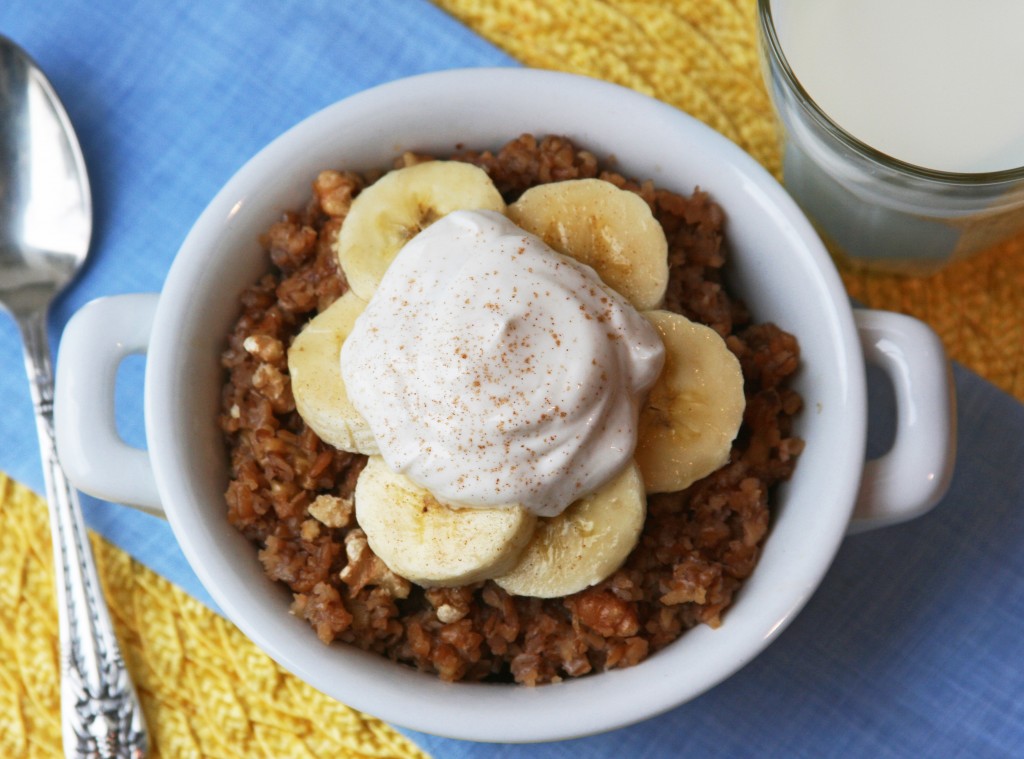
(701, 56)
(206, 690)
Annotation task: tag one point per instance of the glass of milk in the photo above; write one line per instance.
(903, 123)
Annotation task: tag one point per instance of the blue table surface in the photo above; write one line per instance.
(914, 644)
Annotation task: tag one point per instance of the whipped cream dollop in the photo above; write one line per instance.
(493, 370)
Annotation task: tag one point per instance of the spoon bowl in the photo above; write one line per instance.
(45, 231)
(45, 205)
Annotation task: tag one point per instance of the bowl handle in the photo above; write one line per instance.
(915, 473)
(97, 461)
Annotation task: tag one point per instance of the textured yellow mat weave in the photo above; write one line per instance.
(207, 691)
(701, 56)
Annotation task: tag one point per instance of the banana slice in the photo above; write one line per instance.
(609, 229)
(429, 543)
(314, 363)
(400, 204)
(585, 543)
(693, 411)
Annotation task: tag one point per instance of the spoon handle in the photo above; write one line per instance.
(101, 715)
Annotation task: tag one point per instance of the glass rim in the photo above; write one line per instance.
(963, 178)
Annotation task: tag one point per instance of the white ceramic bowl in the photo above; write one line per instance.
(778, 265)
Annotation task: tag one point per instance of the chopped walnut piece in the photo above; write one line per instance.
(310, 530)
(331, 510)
(274, 386)
(264, 347)
(324, 609)
(450, 604)
(365, 568)
(267, 377)
(605, 614)
(448, 614)
(335, 190)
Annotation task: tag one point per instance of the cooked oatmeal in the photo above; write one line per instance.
(291, 494)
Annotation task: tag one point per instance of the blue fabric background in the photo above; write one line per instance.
(913, 647)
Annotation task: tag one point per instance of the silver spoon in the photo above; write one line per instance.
(45, 228)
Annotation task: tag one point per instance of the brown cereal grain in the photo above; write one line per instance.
(697, 547)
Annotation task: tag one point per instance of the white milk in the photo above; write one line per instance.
(936, 83)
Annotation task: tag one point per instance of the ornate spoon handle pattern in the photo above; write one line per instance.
(101, 715)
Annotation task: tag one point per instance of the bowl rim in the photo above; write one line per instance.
(482, 712)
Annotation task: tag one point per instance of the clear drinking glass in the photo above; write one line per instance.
(872, 210)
